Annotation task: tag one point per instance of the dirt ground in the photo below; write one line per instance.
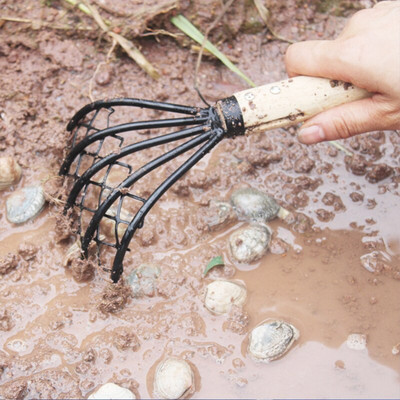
(66, 330)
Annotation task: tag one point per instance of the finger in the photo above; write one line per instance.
(322, 58)
(385, 4)
(347, 120)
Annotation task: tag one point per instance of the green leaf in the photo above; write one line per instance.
(213, 263)
(190, 30)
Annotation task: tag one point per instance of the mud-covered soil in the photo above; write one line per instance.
(66, 330)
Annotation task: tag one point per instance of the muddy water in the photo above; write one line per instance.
(58, 342)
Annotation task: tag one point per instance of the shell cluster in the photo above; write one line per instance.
(221, 295)
(10, 172)
(250, 243)
(173, 379)
(112, 391)
(25, 204)
(271, 340)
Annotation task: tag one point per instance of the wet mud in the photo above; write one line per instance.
(332, 268)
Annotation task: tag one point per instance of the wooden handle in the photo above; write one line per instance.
(291, 101)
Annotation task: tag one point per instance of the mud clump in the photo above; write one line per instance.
(27, 251)
(82, 270)
(379, 172)
(8, 263)
(299, 222)
(334, 201)
(125, 339)
(16, 390)
(304, 164)
(357, 164)
(64, 229)
(114, 297)
(324, 215)
(237, 321)
(356, 197)
(6, 322)
(260, 158)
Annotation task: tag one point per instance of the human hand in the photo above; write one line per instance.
(366, 54)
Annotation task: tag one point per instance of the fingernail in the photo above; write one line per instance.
(311, 134)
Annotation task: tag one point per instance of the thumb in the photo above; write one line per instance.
(344, 121)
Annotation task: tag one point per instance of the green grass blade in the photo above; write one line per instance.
(190, 30)
(213, 263)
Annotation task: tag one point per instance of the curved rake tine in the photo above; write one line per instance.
(165, 123)
(138, 219)
(129, 181)
(111, 158)
(97, 105)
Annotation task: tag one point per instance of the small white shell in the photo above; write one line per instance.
(250, 243)
(271, 340)
(111, 391)
(173, 378)
(221, 295)
(25, 204)
(357, 341)
(10, 172)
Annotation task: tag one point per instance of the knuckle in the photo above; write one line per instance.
(341, 128)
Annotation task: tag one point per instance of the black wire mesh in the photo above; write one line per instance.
(102, 173)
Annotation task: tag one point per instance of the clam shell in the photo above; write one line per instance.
(271, 340)
(111, 391)
(25, 204)
(250, 243)
(173, 378)
(221, 295)
(252, 205)
(143, 280)
(10, 172)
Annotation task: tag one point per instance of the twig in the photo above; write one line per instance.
(132, 51)
(264, 14)
(37, 24)
(99, 65)
(156, 32)
(334, 143)
(199, 57)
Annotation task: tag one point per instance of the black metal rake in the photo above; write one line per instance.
(275, 105)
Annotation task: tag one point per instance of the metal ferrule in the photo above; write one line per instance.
(231, 116)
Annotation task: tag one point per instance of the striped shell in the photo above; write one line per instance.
(10, 172)
(25, 204)
(271, 340)
(221, 295)
(173, 379)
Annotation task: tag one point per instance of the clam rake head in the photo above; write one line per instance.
(274, 105)
(202, 127)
